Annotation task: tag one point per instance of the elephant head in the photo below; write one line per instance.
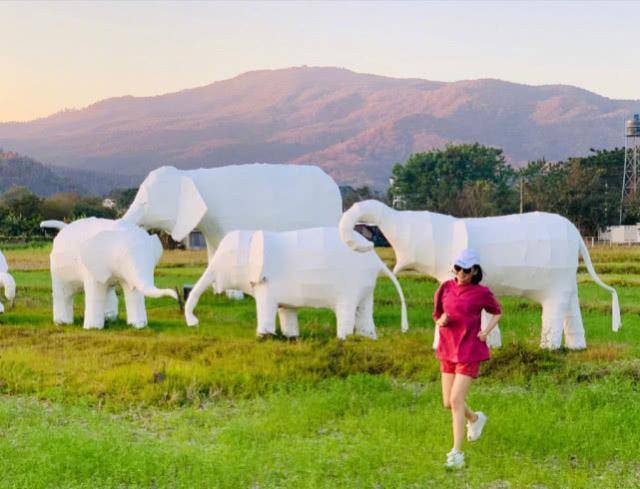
(230, 268)
(167, 200)
(129, 255)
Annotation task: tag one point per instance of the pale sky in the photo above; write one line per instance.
(69, 55)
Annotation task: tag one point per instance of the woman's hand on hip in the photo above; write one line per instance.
(442, 320)
(482, 336)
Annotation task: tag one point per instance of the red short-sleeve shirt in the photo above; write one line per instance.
(463, 304)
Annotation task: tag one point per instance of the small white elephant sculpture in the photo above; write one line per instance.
(533, 255)
(288, 270)
(6, 281)
(95, 255)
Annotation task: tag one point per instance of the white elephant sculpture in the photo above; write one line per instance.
(533, 255)
(216, 201)
(95, 255)
(288, 270)
(6, 281)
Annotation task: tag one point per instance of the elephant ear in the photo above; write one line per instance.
(191, 209)
(257, 272)
(96, 254)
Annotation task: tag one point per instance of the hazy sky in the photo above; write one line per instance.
(69, 55)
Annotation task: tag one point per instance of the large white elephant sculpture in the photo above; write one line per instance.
(533, 255)
(219, 200)
(216, 201)
(288, 270)
(6, 281)
(96, 254)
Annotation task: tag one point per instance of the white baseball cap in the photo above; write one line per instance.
(467, 258)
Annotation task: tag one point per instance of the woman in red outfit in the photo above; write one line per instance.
(458, 305)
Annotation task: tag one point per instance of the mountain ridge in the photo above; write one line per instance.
(353, 125)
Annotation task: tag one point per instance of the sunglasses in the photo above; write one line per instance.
(457, 268)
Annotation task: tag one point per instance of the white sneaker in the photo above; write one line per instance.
(474, 430)
(455, 459)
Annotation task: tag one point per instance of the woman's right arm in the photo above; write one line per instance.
(439, 316)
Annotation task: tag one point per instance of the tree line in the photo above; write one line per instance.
(464, 180)
(21, 210)
(472, 180)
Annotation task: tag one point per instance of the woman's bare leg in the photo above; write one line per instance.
(459, 410)
(447, 384)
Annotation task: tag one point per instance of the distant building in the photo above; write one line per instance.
(621, 234)
(195, 241)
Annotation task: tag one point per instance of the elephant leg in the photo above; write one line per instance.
(554, 311)
(289, 322)
(574, 337)
(111, 307)
(134, 303)
(364, 318)
(62, 302)
(95, 300)
(345, 319)
(494, 340)
(266, 309)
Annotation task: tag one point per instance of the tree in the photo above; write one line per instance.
(586, 190)
(19, 201)
(59, 206)
(436, 180)
(352, 195)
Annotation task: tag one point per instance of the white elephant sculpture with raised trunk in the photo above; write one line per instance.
(95, 255)
(533, 255)
(288, 270)
(216, 201)
(6, 281)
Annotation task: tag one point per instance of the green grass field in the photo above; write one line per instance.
(172, 406)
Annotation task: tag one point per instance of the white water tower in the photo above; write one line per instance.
(630, 176)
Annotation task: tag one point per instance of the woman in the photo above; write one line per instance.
(462, 345)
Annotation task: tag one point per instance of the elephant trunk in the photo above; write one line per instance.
(404, 322)
(366, 212)
(9, 285)
(155, 293)
(134, 214)
(208, 277)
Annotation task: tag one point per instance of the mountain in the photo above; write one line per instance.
(355, 126)
(20, 171)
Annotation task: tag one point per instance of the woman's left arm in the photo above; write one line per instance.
(492, 324)
(492, 306)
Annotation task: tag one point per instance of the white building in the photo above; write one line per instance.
(621, 234)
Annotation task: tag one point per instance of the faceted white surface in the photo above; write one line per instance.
(287, 270)
(533, 255)
(96, 254)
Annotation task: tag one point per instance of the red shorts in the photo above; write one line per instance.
(470, 369)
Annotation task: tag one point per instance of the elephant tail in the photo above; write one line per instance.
(9, 285)
(404, 323)
(615, 306)
(201, 285)
(53, 224)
